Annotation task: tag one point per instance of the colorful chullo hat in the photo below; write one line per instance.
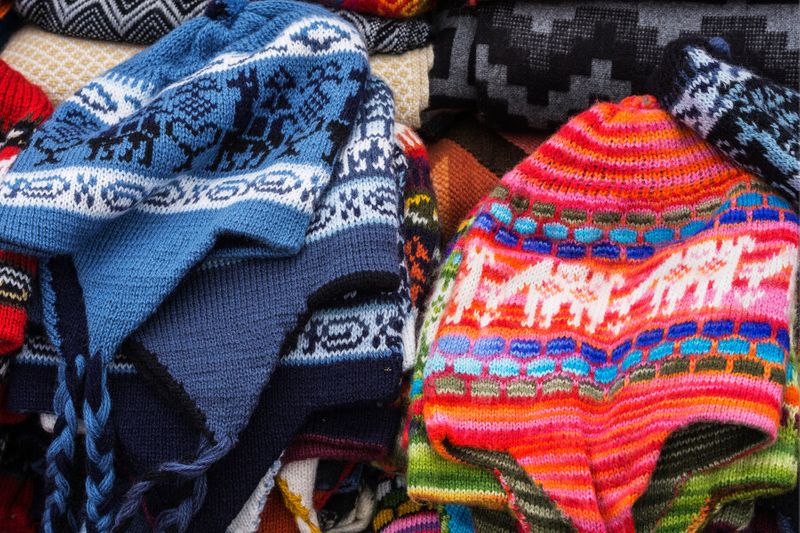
(750, 118)
(623, 259)
(212, 132)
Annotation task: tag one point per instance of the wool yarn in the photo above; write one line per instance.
(467, 161)
(472, 364)
(396, 512)
(750, 118)
(59, 64)
(389, 36)
(529, 64)
(249, 516)
(407, 75)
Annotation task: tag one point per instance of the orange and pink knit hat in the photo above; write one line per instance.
(618, 323)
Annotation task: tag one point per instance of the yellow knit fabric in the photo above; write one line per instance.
(61, 65)
(407, 77)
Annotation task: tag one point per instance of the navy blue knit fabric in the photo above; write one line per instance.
(750, 118)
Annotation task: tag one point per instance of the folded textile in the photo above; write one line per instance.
(407, 75)
(147, 22)
(750, 118)
(383, 8)
(61, 65)
(133, 143)
(534, 64)
(389, 36)
(396, 512)
(111, 20)
(467, 161)
(9, 21)
(296, 484)
(592, 368)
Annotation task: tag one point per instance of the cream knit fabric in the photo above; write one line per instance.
(61, 65)
(407, 77)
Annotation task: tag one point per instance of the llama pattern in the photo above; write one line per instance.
(701, 275)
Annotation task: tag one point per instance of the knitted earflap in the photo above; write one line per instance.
(750, 118)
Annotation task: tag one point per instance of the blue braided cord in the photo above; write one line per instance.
(61, 454)
(179, 517)
(99, 449)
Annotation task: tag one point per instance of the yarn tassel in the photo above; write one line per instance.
(99, 448)
(65, 307)
(178, 518)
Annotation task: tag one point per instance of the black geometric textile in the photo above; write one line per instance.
(534, 64)
(389, 36)
(133, 21)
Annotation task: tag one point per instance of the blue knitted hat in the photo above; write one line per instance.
(228, 127)
(213, 345)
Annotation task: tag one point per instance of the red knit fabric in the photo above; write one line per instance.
(22, 107)
(16, 499)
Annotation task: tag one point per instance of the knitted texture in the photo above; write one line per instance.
(359, 212)
(383, 8)
(396, 513)
(389, 36)
(61, 65)
(467, 161)
(407, 75)
(255, 167)
(750, 118)
(23, 106)
(250, 516)
(534, 64)
(276, 518)
(677, 278)
(111, 20)
(296, 484)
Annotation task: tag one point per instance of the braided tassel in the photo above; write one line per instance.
(58, 516)
(99, 448)
(179, 517)
(65, 309)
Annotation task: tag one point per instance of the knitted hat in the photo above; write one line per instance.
(23, 107)
(132, 143)
(750, 118)
(59, 64)
(396, 512)
(179, 348)
(526, 64)
(467, 161)
(389, 36)
(653, 202)
(250, 515)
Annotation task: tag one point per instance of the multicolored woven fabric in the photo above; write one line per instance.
(625, 258)
(383, 8)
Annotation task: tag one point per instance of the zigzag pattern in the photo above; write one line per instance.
(131, 21)
(528, 64)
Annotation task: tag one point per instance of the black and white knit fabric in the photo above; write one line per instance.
(534, 64)
(133, 21)
(752, 119)
(389, 36)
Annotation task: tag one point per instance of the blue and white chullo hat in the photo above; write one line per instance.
(229, 126)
